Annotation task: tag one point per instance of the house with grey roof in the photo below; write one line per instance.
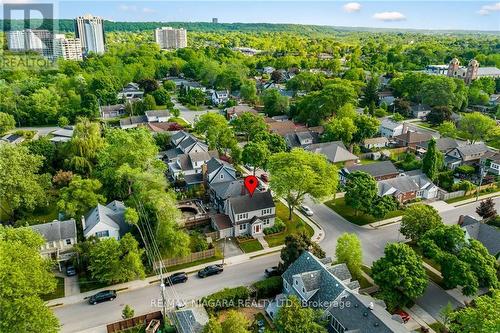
(130, 91)
(133, 121)
(112, 111)
(221, 182)
(443, 144)
(106, 221)
(157, 116)
(379, 171)
(335, 152)
(190, 320)
(488, 235)
(467, 154)
(408, 187)
(62, 135)
(390, 128)
(330, 290)
(60, 237)
(374, 143)
(491, 161)
(301, 138)
(249, 215)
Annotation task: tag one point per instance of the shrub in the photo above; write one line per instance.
(278, 226)
(269, 287)
(465, 169)
(226, 298)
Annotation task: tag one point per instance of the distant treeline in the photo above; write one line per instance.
(67, 25)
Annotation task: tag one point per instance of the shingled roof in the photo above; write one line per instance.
(247, 203)
(56, 230)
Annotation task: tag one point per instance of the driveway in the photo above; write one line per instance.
(434, 299)
(189, 115)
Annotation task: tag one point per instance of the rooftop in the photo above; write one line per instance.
(56, 230)
(247, 203)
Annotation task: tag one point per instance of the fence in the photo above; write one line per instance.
(133, 322)
(443, 195)
(184, 260)
(214, 235)
(196, 221)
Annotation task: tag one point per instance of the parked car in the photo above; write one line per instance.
(210, 270)
(264, 177)
(306, 210)
(272, 271)
(175, 278)
(404, 315)
(70, 270)
(102, 296)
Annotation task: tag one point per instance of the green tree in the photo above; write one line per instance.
(7, 122)
(295, 245)
(84, 146)
(448, 129)
(339, 129)
(23, 310)
(256, 154)
(213, 326)
(486, 209)
(439, 114)
(44, 147)
(113, 261)
(248, 91)
(299, 172)
(433, 160)
(418, 219)
(195, 97)
(349, 251)
(62, 121)
(79, 196)
(127, 312)
(235, 322)
(293, 318)
(371, 92)
(149, 103)
(483, 316)
(366, 127)
(400, 275)
(249, 124)
(477, 126)
(216, 131)
(21, 185)
(361, 190)
(274, 102)
(383, 206)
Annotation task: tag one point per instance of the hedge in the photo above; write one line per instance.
(269, 287)
(226, 298)
(278, 227)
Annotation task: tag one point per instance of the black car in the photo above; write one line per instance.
(102, 296)
(175, 278)
(272, 271)
(70, 270)
(210, 270)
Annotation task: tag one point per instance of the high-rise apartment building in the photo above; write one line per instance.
(169, 38)
(90, 30)
(67, 48)
(40, 41)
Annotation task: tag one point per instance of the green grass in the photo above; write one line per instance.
(250, 246)
(296, 225)
(179, 121)
(367, 161)
(58, 292)
(194, 107)
(472, 195)
(87, 284)
(438, 327)
(349, 214)
(194, 263)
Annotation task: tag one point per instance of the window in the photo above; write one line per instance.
(68, 241)
(296, 282)
(242, 216)
(266, 211)
(104, 233)
(285, 283)
(243, 226)
(420, 193)
(221, 176)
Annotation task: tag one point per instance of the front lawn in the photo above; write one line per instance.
(250, 246)
(473, 195)
(347, 212)
(296, 225)
(58, 292)
(179, 121)
(87, 284)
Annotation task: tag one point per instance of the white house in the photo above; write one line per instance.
(380, 142)
(409, 187)
(249, 215)
(130, 91)
(106, 221)
(390, 128)
(491, 160)
(157, 116)
(220, 96)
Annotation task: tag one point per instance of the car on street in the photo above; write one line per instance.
(210, 270)
(70, 270)
(264, 177)
(180, 277)
(272, 271)
(306, 210)
(102, 296)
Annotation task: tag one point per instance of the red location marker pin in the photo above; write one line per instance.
(251, 183)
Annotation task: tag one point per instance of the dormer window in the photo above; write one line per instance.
(222, 176)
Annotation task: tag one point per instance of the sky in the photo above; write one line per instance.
(442, 15)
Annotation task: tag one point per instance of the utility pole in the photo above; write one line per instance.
(162, 290)
(482, 174)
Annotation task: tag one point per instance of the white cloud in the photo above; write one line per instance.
(352, 7)
(487, 9)
(389, 16)
(148, 10)
(128, 8)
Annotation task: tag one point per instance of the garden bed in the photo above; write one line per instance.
(295, 226)
(339, 206)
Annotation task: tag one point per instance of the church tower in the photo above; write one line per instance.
(453, 67)
(472, 68)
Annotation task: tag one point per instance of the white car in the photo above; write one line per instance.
(306, 210)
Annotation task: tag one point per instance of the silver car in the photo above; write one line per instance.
(306, 210)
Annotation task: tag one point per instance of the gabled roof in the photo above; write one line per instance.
(444, 144)
(65, 132)
(413, 137)
(191, 320)
(56, 230)
(133, 120)
(390, 124)
(404, 184)
(377, 169)
(472, 150)
(335, 151)
(228, 189)
(374, 141)
(488, 235)
(247, 203)
(492, 156)
(157, 113)
(214, 163)
(113, 215)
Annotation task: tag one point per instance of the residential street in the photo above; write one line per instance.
(373, 241)
(189, 115)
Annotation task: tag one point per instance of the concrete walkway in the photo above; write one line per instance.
(263, 242)
(71, 286)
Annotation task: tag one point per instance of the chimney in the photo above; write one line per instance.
(83, 223)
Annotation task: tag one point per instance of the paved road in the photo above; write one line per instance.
(373, 242)
(190, 115)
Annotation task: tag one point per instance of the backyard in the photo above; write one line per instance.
(296, 225)
(339, 206)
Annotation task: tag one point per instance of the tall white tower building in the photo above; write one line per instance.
(90, 30)
(169, 38)
(67, 48)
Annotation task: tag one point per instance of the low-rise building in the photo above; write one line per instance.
(62, 135)
(468, 154)
(131, 91)
(443, 144)
(376, 143)
(190, 320)
(406, 188)
(106, 221)
(420, 111)
(133, 121)
(219, 96)
(379, 171)
(491, 161)
(488, 235)
(157, 116)
(12, 138)
(390, 128)
(234, 112)
(335, 152)
(112, 111)
(412, 139)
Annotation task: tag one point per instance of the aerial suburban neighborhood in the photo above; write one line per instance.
(165, 170)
